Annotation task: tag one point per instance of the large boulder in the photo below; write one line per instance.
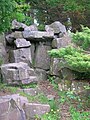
(61, 42)
(42, 59)
(17, 73)
(11, 107)
(57, 27)
(21, 55)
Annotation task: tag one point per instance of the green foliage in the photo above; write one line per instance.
(6, 13)
(1, 61)
(52, 115)
(21, 12)
(67, 4)
(75, 115)
(72, 58)
(41, 27)
(82, 38)
(31, 85)
(7, 89)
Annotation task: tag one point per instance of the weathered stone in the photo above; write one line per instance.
(17, 25)
(22, 43)
(41, 74)
(17, 73)
(31, 28)
(42, 59)
(57, 27)
(3, 53)
(61, 42)
(37, 35)
(55, 67)
(33, 109)
(11, 107)
(21, 55)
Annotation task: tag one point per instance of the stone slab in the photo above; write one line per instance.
(37, 35)
(22, 43)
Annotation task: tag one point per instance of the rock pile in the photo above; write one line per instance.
(28, 45)
(24, 52)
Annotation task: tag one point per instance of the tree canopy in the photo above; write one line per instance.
(6, 12)
(45, 11)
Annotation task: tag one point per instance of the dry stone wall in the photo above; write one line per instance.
(26, 45)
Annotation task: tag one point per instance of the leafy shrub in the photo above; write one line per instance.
(72, 58)
(82, 38)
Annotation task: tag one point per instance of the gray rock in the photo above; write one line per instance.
(11, 107)
(55, 67)
(22, 43)
(3, 54)
(41, 74)
(17, 73)
(31, 28)
(42, 59)
(61, 42)
(33, 109)
(57, 27)
(37, 35)
(21, 55)
(17, 25)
